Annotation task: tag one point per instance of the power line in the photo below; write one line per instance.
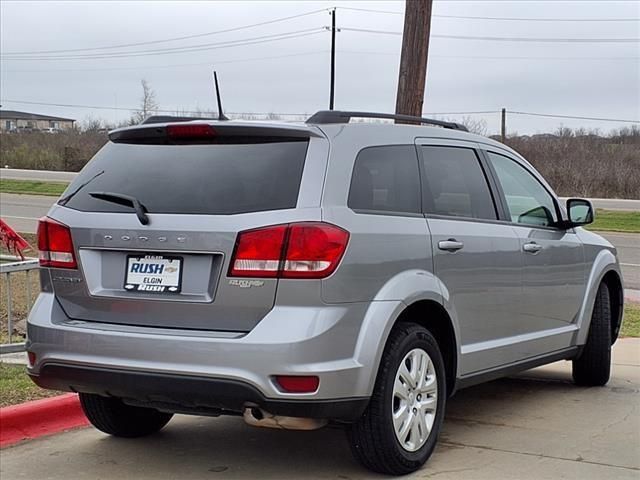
(311, 52)
(173, 39)
(495, 57)
(574, 117)
(512, 19)
(481, 112)
(185, 49)
(505, 39)
(129, 109)
(143, 67)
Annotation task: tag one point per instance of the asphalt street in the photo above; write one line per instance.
(36, 175)
(536, 425)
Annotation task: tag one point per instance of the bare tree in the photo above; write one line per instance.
(148, 103)
(475, 125)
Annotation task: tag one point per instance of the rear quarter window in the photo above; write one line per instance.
(386, 179)
(216, 179)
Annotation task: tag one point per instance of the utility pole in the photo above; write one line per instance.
(333, 58)
(413, 60)
(503, 126)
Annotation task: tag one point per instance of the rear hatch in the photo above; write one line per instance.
(197, 188)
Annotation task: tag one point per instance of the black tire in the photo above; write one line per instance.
(593, 366)
(372, 438)
(110, 415)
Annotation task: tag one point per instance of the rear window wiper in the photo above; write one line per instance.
(126, 200)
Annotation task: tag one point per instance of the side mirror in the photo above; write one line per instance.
(580, 212)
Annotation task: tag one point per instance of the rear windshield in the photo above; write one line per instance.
(193, 179)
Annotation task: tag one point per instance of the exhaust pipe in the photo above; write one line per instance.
(257, 417)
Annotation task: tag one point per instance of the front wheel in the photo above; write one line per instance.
(399, 429)
(110, 415)
(592, 367)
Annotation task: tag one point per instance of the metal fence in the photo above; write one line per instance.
(15, 266)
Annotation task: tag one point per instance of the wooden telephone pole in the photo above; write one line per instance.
(413, 60)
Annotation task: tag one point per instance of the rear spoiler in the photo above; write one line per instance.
(208, 132)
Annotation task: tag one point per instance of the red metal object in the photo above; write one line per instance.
(12, 240)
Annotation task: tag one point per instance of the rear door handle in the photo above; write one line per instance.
(451, 245)
(532, 247)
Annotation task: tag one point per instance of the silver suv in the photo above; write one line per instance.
(352, 273)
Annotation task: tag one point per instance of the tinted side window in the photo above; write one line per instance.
(455, 183)
(386, 179)
(528, 201)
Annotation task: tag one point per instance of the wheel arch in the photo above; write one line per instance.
(432, 316)
(616, 301)
(605, 269)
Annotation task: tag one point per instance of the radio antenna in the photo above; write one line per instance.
(221, 115)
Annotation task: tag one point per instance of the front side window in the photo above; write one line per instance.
(455, 183)
(528, 201)
(386, 179)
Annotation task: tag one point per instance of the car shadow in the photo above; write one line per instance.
(226, 447)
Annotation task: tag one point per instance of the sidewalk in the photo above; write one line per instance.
(533, 426)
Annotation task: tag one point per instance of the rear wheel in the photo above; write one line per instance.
(592, 367)
(110, 415)
(399, 429)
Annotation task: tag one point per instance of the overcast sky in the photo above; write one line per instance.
(594, 79)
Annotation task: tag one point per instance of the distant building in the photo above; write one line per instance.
(12, 121)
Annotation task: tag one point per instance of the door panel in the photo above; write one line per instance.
(553, 276)
(477, 258)
(553, 259)
(482, 279)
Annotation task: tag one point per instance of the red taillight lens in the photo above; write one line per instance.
(314, 250)
(298, 250)
(55, 244)
(190, 131)
(258, 252)
(32, 358)
(298, 384)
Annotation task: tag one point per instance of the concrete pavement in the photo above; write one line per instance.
(536, 425)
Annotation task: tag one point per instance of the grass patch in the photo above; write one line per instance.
(631, 321)
(616, 221)
(30, 187)
(16, 387)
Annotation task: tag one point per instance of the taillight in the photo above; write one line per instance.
(190, 131)
(55, 244)
(297, 250)
(258, 252)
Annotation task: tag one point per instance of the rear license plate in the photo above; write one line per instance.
(153, 274)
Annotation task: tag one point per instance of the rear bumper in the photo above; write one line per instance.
(188, 394)
(213, 370)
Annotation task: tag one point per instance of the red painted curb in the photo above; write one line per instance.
(39, 418)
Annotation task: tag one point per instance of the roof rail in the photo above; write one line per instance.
(336, 116)
(169, 119)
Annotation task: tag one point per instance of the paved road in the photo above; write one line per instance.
(22, 213)
(533, 426)
(36, 175)
(628, 246)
